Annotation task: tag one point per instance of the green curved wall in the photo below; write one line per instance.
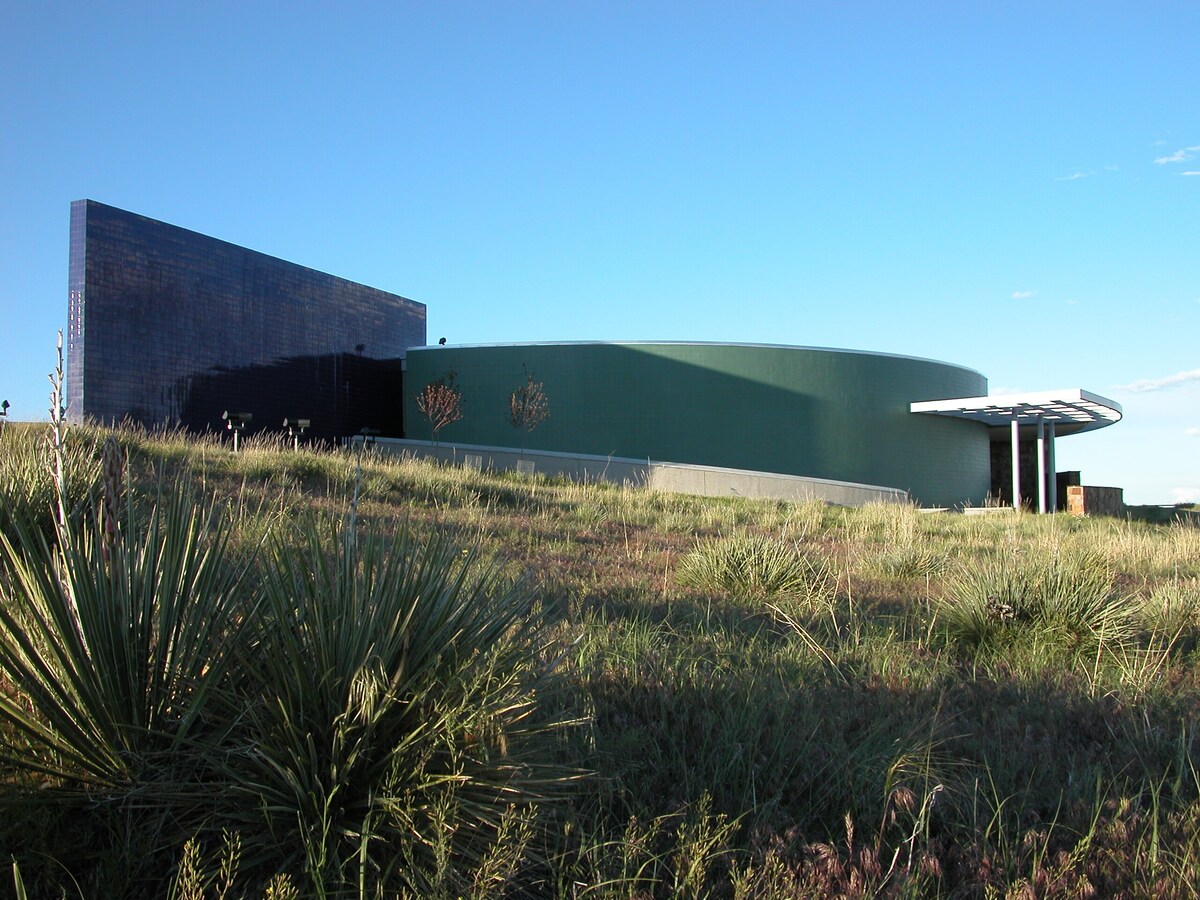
(834, 414)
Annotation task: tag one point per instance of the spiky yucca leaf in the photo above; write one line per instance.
(114, 660)
(397, 678)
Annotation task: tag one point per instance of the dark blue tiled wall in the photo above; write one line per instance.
(167, 326)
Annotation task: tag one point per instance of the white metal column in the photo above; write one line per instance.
(1053, 468)
(1041, 465)
(1016, 463)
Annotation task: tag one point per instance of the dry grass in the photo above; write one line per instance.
(745, 744)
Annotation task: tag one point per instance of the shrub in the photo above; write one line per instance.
(754, 565)
(1056, 598)
(115, 651)
(914, 560)
(395, 719)
(116, 646)
(1171, 614)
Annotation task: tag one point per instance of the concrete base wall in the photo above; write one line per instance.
(707, 481)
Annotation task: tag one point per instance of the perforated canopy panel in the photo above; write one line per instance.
(1071, 410)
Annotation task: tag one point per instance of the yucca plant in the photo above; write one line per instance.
(114, 653)
(1059, 599)
(754, 565)
(397, 680)
(115, 645)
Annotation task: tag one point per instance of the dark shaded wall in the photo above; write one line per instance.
(834, 414)
(340, 393)
(1027, 459)
(170, 327)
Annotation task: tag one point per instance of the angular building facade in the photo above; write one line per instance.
(169, 327)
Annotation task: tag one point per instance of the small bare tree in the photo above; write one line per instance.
(441, 403)
(528, 407)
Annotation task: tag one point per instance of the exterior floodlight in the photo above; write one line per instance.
(360, 441)
(235, 422)
(296, 428)
(3, 415)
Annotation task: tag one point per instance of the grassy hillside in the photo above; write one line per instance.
(313, 674)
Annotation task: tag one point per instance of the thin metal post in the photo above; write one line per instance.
(1053, 468)
(1041, 465)
(1016, 463)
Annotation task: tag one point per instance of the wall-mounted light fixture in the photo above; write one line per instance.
(235, 422)
(365, 436)
(3, 415)
(296, 428)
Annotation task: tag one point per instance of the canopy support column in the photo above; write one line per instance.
(1041, 465)
(1053, 468)
(1016, 463)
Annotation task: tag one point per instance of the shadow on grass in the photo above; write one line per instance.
(787, 748)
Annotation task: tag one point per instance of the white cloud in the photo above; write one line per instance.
(1192, 432)
(1190, 173)
(1180, 155)
(1086, 173)
(1022, 295)
(1157, 384)
(1185, 495)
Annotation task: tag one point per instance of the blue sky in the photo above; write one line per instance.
(1014, 187)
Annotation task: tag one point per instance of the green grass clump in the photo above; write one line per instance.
(27, 490)
(753, 565)
(1065, 600)
(914, 560)
(396, 718)
(1171, 614)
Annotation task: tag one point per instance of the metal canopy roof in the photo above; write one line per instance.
(1071, 410)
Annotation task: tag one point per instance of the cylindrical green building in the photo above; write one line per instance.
(834, 414)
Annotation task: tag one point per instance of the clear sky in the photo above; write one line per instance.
(1010, 186)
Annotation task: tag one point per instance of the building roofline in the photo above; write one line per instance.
(745, 344)
(87, 201)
